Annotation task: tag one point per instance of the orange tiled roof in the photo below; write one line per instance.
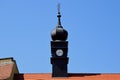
(75, 76)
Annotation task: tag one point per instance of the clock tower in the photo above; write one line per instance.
(59, 50)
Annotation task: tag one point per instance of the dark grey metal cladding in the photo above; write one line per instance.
(59, 63)
(59, 44)
(63, 45)
(59, 67)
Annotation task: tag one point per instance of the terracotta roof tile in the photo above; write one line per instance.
(73, 76)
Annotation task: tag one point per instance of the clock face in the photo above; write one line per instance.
(59, 52)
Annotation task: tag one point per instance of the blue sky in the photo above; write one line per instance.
(93, 26)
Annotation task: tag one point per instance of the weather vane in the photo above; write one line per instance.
(59, 22)
(58, 7)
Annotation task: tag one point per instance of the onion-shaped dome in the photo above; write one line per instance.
(59, 33)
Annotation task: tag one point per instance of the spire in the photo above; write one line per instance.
(59, 15)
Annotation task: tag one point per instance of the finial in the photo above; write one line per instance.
(59, 22)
